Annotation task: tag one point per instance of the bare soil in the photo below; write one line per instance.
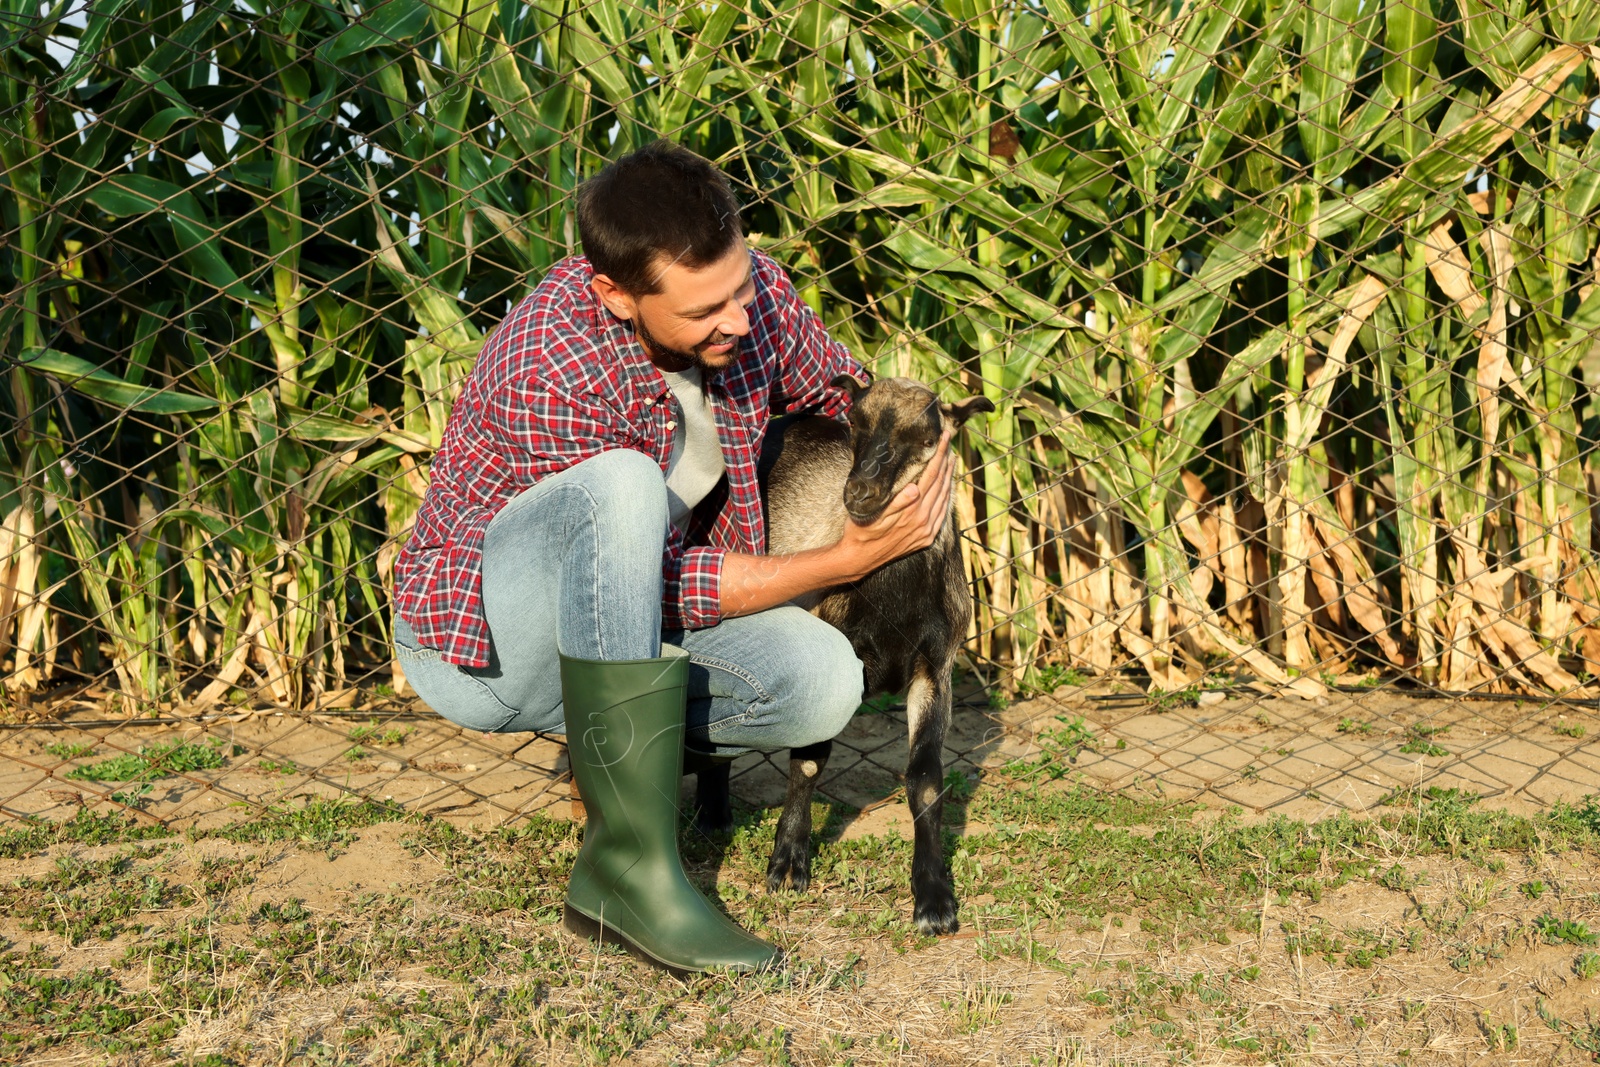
(1443, 962)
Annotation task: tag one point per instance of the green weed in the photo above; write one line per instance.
(84, 828)
(1162, 700)
(1419, 741)
(1501, 1037)
(82, 898)
(979, 1007)
(882, 704)
(1059, 747)
(40, 1009)
(160, 760)
(372, 734)
(317, 824)
(1049, 678)
(1558, 931)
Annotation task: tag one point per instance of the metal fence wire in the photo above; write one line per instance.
(1287, 308)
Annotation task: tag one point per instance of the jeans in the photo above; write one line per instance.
(573, 565)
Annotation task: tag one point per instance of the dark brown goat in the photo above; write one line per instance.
(906, 619)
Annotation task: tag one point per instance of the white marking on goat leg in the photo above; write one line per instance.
(929, 795)
(919, 701)
(809, 768)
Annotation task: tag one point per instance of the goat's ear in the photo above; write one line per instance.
(849, 383)
(960, 413)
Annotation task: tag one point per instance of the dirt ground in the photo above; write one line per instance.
(1110, 994)
(1267, 756)
(1399, 945)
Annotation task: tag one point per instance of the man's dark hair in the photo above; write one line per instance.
(660, 202)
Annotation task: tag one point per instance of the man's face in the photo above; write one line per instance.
(698, 316)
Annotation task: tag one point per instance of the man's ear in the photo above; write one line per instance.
(850, 384)
(960, 413)
(614, 297)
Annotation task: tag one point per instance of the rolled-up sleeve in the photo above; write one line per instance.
(692, 587)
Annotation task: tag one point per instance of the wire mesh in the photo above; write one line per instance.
(1287, 307)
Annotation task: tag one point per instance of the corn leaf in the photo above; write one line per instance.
(82, 376)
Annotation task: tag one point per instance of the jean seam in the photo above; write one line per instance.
(481, 684)
(591, 527)
(762, 696)
(422, 654)
(730, 722)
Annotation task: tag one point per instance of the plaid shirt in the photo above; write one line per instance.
(562, 379)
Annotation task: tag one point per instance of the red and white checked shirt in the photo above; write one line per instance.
(562, 379)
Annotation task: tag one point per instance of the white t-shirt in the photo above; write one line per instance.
(696, 464)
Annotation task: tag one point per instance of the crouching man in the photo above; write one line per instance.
(588, 558)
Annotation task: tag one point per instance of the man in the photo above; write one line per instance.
(589, 559)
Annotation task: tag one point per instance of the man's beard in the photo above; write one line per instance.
(693, 358)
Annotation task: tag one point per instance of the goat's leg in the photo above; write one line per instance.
(713, 797)
(791, 850)
(928, 717)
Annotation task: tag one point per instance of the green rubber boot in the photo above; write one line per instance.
(625, 726)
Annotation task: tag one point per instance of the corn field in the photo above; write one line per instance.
(1286, 306)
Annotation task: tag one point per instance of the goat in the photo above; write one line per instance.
(905, 620)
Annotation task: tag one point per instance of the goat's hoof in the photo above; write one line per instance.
(936, 909)
(790, 863)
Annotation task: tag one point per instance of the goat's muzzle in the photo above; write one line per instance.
(865, 500)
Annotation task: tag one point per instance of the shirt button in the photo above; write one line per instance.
(650, 403)
(672, 424)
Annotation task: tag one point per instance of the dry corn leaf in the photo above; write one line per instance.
(228, 676)
(1525, 647)
(1450, 269)
(1361, 595)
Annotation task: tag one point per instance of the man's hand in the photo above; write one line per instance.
(910, 522)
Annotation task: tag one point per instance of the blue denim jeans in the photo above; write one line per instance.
(573, 565)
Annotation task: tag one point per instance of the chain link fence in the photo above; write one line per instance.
(1287, 307)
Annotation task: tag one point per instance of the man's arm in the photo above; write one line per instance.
(910, 522)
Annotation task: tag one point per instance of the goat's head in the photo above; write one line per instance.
(894, 427)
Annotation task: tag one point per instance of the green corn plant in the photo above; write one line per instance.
(24, 617)
(1126, 224)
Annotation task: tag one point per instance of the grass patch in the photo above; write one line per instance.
(40, 1010)
(485, 973)
(1419, 741)
(84, 828)
(318, 823)
(65, 750)
(372, 734)
(882, 704)
(82, 899)
(1562, 931)
(160, 760)
(1049, 678)
(1059, 748)
(1162, 700)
